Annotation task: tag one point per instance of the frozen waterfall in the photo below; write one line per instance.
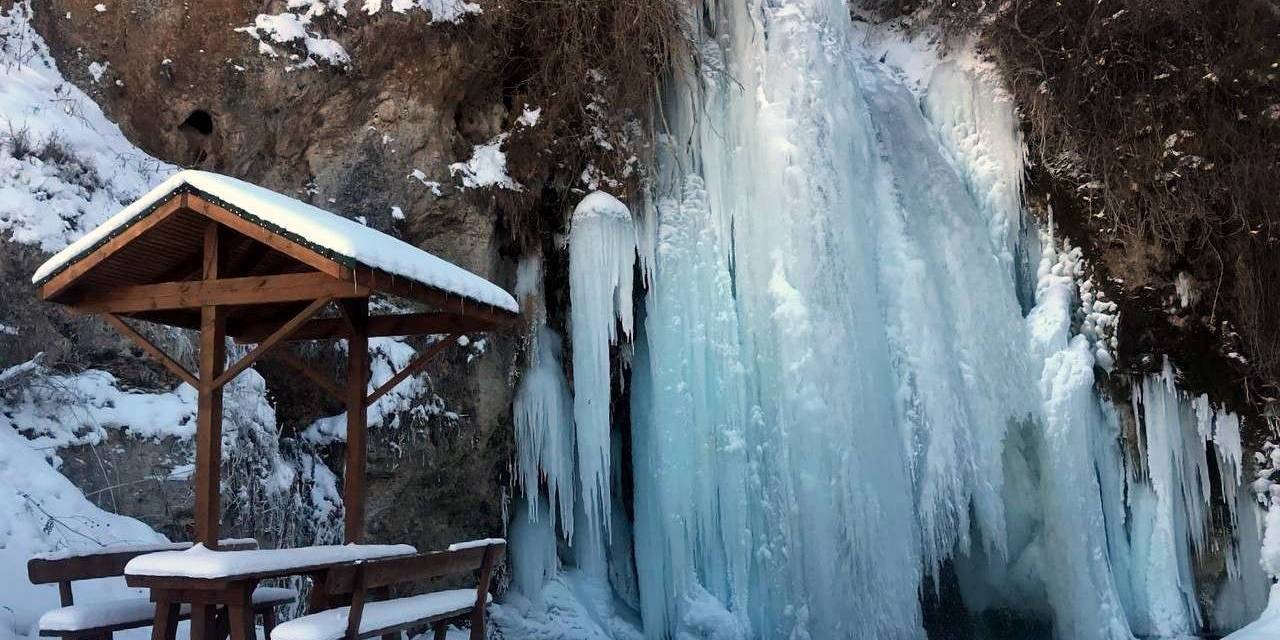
(863, 386)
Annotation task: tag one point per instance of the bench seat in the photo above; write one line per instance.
(129, 613)
(384, 614)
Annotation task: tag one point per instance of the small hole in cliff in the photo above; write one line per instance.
(198, 122)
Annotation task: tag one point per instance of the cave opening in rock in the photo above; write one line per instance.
(200, 121)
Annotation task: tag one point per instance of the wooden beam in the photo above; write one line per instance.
(270, 342)
(294, 250)
(296, 363)
(290, 287)
(155, 352)
(213, 357)
(442, 300)
(413, 367)
(357, 313)
(68, 276)
(405, 324)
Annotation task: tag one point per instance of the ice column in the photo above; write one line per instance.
(602, 257)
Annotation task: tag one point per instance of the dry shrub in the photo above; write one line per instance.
(1160, 121)
(592, 67)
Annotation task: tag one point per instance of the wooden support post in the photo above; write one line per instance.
(356, 312)
(213, 357)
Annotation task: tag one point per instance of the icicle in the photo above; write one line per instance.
(544, 431)
(602, 256)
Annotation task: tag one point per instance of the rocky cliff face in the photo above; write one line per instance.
(365, 138)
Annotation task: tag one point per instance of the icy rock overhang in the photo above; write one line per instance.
(333, 236)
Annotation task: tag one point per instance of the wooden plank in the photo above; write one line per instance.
(404, 324)
(280, 243)
(357, 314)
(155, 352)
(271, 341)
(290, 287)
(213, 357)
(412, 368)
(322, 381)
(72, 273)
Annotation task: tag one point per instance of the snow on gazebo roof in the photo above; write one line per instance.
(338, 238)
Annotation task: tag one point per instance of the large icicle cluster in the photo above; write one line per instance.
(543, 413)
(858, 373)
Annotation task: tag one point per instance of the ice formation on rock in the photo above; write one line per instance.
(859, 371)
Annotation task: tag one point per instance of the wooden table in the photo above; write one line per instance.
(233, 586)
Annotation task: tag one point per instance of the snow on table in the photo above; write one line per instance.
(201, 562)
(330, 233)
(332, 624)
(472, 544)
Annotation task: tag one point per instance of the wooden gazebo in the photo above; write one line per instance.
(229, 259)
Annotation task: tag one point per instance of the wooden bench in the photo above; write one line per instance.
(100, 620)
(387, 617)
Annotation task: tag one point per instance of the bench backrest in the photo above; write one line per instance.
(104, 563)
(355, 580)
(373, 574)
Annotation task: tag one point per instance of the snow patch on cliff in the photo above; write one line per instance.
(64, 168)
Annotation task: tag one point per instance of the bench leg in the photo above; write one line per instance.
(439, 630)
(268, 621)
(204, 622)
(165, 626)
(477, 624)
(221, 628)
(240, 612)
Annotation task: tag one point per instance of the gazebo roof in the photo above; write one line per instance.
(153, 242)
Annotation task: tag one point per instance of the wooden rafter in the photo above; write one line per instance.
(278, 242)
(289, 287)
(72, 273)
(413, 367)
(271, 341)
(154, 351)
(406, 324)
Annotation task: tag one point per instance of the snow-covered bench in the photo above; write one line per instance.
(390, 616)
(99, 620)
